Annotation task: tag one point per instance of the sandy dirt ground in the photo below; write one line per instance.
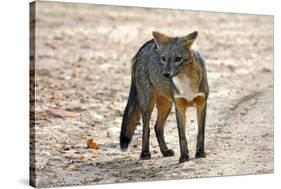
(82, 82)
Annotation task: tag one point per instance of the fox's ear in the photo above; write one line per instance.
(160, 38)
(190, 38)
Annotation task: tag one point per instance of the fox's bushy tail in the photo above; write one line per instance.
(130, 117)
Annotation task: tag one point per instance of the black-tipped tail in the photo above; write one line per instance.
(124, 141)
(130, 118)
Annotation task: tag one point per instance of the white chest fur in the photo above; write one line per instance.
(184, 86)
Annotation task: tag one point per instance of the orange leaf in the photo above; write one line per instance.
(91, 144)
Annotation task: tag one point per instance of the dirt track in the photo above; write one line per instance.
(83, 78)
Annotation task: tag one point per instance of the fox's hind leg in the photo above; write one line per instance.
(201, 118)
(164, 106)
(146, 106)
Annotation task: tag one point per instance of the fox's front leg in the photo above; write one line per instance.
(201, 118)
(181, 121)
(164, 107)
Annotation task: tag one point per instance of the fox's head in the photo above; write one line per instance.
(174, 51)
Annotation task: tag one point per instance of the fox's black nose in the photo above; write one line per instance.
(166, 74)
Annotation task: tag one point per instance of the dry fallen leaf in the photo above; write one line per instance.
(51, 45)
(63, 114)
(91, 144)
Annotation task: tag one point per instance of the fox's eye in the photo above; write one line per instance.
(178, 59)
(163, 58)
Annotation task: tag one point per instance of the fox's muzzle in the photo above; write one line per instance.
(167, 74)
(167, 70)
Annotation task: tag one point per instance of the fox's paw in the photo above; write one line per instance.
(183, 158)
(168, 153)
(200, 154)
(145, 155)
